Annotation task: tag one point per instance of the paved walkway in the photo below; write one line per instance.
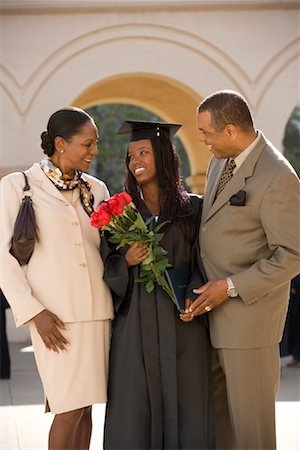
(24, 426)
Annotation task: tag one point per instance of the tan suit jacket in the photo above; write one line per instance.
(65, 271)
(258, 245)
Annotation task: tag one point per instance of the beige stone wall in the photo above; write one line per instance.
(162, 55)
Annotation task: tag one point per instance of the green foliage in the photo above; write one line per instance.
(152, 269)
(129, 227)
(110, 162)
(291, 140)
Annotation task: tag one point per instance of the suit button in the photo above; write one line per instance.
(204, 229)
(75, 223)
(78, 244)
(203, 255)
(83, 264)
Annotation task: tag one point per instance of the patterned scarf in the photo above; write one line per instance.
(64, 183)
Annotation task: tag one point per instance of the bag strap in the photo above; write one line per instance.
(26, 187)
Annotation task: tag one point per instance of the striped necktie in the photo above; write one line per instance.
(226, 176)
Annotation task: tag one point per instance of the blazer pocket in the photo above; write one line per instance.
(241, 211)
(244, 218)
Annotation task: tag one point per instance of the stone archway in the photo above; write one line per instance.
(165, 97)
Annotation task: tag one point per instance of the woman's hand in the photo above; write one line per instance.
(136, 254)
(48, 325)
(186, 316)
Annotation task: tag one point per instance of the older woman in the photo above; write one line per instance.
(60, 294)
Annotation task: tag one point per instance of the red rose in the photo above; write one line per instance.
(112, 207)
(101, 217)
(105, 209)
(126, 197)
(118, 202)
(116, 206)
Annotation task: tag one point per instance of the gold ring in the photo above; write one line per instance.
(208, 308)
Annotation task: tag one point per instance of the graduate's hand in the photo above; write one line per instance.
(48, 325)
(136, 254)
(187, 316)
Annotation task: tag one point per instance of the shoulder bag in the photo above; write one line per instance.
(25, 229)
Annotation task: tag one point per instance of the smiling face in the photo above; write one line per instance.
(77, 152)
(141, 161)
(220, 142)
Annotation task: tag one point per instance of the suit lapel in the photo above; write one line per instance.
(215, 171)
(237, 183)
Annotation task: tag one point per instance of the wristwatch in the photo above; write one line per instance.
(231, 290)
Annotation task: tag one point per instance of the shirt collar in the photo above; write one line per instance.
(245, 153)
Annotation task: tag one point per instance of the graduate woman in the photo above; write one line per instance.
(159, 394)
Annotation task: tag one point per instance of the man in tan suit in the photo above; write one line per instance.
(249, 240)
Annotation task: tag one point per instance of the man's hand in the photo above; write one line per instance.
(212, 294)
(48, 325)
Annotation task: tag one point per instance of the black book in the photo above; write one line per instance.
(178, 280)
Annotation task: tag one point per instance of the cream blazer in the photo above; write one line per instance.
(64, 274)
(258, 245)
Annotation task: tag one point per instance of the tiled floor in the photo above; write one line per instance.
(24, 426)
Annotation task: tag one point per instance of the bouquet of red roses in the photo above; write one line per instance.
(119, 216)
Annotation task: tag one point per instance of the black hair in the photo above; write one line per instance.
(228, 107)
(175, 203)
(65, 122)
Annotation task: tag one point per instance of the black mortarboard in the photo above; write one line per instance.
(139, 129)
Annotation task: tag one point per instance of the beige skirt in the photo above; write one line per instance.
(76, 377)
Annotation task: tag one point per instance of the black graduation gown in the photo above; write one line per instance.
(159, 391)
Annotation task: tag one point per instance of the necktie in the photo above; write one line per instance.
(226, 176)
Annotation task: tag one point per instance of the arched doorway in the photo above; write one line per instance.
(163, 96)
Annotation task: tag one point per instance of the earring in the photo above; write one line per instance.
(61, 151)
